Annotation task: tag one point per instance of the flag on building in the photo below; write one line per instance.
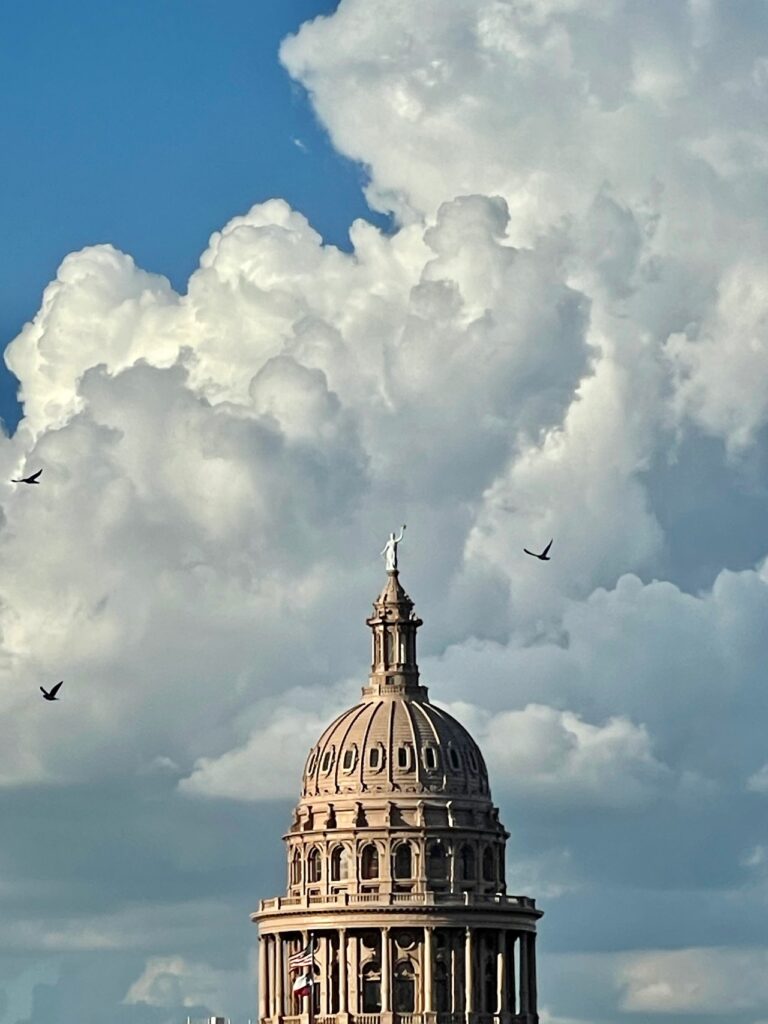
(304, 958)
(303, 985)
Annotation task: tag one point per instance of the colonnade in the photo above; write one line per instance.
(438, 974)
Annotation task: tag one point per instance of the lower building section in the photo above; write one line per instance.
(410, 975)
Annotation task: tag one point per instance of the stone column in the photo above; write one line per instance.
(532, 997)
(386, 972)
(525, 975)
(263, 1012)
(511, 986)
(354, 974)
(273, 975)
(343, 1005)
(455, 993)
(427, 973)
(279, 979)
(469, 973)
(500, 958)
(325, 974)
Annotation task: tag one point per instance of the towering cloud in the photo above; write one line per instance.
(563, 336)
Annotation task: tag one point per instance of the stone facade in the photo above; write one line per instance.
(395, 863)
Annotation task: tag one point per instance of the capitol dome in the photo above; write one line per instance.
(396, 908)
(396, 745)
(395, 740)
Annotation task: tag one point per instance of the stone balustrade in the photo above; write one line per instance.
(352, 899)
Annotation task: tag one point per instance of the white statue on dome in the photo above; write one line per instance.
(390, 550)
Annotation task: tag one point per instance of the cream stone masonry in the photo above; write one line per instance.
(396, 865)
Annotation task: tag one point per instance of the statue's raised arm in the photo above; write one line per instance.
(390, 550)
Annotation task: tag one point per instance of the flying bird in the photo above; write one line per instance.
(28, 479)
(51, 694)
(543, 557)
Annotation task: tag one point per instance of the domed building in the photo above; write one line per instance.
(396, 907)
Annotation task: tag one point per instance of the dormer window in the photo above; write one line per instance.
(350, 759)
(453, 759)
(327, 761)
(430, 758)
(405, 757)
(471, 757)
(374, 757)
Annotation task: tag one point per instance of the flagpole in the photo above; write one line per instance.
(311, 1017)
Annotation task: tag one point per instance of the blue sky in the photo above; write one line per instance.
(148, 125)
(558, 327)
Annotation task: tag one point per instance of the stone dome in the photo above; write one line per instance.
(395, 744)
(395, 740)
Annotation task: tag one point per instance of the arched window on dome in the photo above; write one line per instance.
(489, 864)
(467, 864)
(296, 868)
(453, 758)
(369, 862)
(371, 988)
(405, 987)
(437, 862)
(339, 864)
(403, 861)
(389, 644)
(314, 865)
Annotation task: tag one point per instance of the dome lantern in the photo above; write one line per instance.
(394, 669)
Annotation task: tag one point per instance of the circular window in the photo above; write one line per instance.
(370, 940)
(405, 940)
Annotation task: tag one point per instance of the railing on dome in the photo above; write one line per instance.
(352, 899)
(418, 1018)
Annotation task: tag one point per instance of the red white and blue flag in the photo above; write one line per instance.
(304, 958)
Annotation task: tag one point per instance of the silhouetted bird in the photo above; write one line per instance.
(544, 556)
(51, 695)
(28, 479)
